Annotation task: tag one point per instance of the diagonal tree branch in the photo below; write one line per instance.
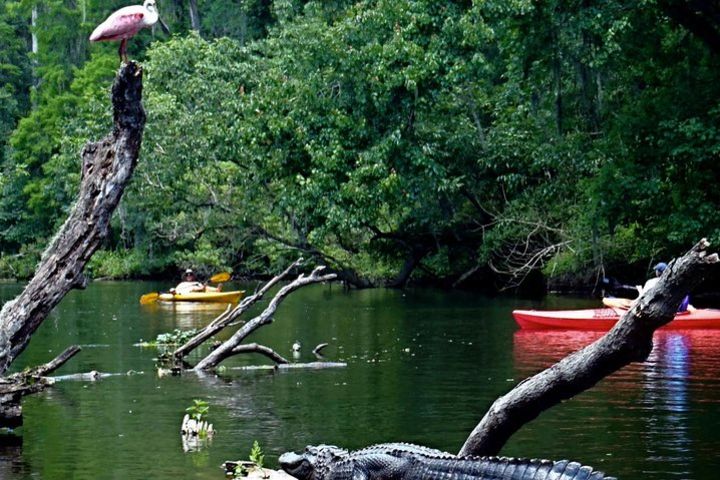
(51, 366)
(266, 317)
(107, 166)
(229, 316)
(629, 341)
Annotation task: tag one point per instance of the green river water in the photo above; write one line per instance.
(422, 366)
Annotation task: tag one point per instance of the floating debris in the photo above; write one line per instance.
(194, 428)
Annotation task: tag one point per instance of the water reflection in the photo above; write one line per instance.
(665, 395)
(11, 459)
(662, 392)
(423, 366)
(693, 354)
(185, 315)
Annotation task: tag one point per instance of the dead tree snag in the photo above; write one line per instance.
(107, 166)
(233, 346)
(629, 341)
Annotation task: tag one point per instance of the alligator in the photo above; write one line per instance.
(403, 461)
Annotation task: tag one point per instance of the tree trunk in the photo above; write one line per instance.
(629, 341)
(194, 15)
(106, 169)
(414, 257)
(34, 44)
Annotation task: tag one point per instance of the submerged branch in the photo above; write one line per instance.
(261, 349)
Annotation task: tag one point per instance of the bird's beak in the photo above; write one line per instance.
(163, 26)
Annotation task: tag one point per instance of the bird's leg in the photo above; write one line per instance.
(122, 51)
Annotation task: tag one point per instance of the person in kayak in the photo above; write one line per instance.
(190, 284)
(659, 269)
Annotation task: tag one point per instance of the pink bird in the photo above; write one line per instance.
(125, 23)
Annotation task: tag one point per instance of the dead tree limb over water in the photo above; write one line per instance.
(630, 340)
(107, 166)
(231, 315)
(233, 346)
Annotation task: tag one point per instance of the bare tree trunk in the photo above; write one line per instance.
(227, 349)
(106, 169)
(194, 15)
(629, 341)
(33, 33)
(34, 46)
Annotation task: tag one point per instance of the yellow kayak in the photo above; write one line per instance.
(218, 297)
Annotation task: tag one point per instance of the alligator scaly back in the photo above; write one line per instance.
(402, 461)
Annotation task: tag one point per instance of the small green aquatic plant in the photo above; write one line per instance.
(198, 410)
(256, 454)
(256, 457)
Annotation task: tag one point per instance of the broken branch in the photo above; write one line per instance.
(266, 317)
(630, 340)
(229, 316)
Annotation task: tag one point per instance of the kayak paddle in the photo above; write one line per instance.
(220, 277)
(149, 298)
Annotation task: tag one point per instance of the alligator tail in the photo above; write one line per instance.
(503, 468)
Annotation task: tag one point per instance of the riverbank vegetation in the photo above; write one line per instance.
(389, 140)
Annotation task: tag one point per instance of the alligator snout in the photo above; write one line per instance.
(296, 465)
(290, 460)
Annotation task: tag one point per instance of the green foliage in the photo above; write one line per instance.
(198, 410)
(256, 461)
(375, 136)
(14, 75)
(125, 263)
(21, 264)
(256, 454)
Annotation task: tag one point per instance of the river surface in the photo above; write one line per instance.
(422, 366)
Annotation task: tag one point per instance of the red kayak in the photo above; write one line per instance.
(603, 319)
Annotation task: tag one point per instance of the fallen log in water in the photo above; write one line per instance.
(228, 348)
(294, 366)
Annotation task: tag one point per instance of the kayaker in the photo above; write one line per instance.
(659, 269)
(190, 284)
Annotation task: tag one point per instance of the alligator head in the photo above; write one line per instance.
(312, 463)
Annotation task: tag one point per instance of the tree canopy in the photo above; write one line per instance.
(389, 139)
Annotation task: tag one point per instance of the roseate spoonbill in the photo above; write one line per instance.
(125, 23)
